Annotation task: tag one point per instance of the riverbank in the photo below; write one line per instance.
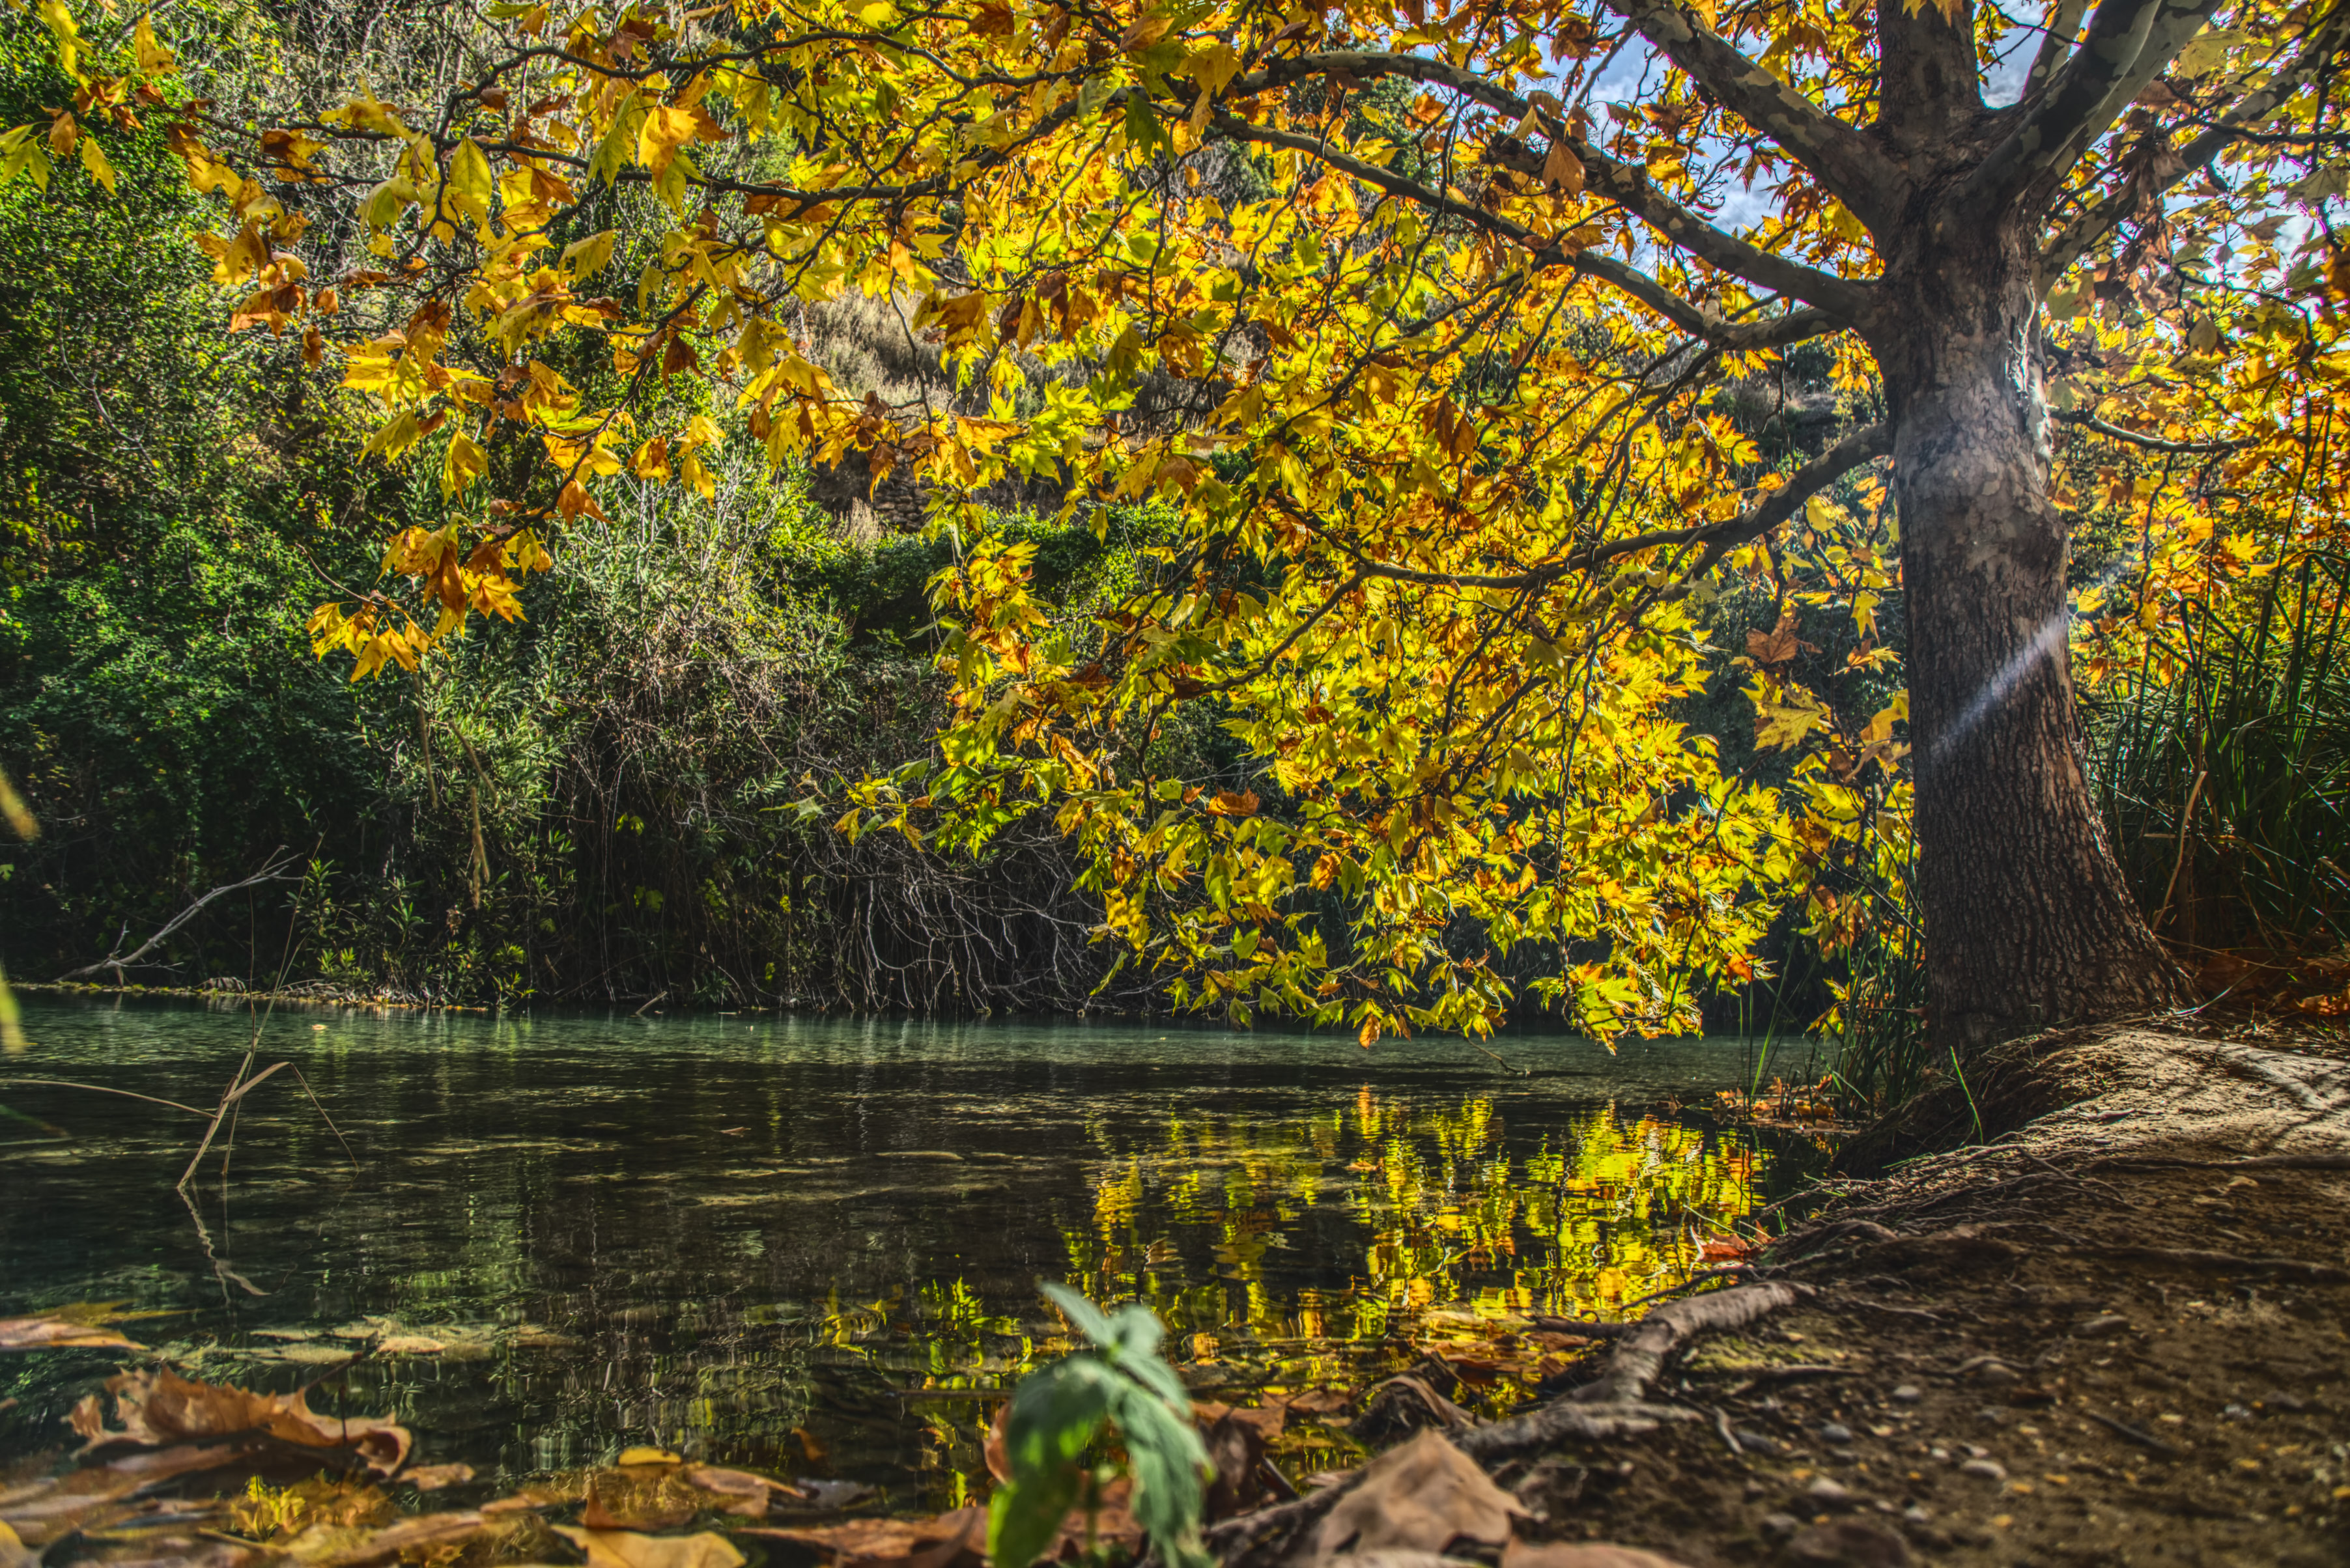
(2118, 1335)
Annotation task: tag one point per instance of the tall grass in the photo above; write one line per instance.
(2223, 768)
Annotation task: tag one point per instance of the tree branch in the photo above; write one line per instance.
(2064, 32)
(1843, 298)
(1717, 538)
(2318, 51)
(1628, 186)
(2129, 42)
(272, 872)
(2152, 444)
(1841, 157)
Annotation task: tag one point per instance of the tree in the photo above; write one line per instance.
(1427, 345)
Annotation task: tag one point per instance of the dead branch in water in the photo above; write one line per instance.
(274, 871)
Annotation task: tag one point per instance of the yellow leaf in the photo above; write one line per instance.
(465, 462)
(583, 259)
(1145, 32)
(61, 25)
(1212, 66)
(469, 181)
(21, 153)
(94, 159)
(665, 130)
(1779, 725)
(154, 59)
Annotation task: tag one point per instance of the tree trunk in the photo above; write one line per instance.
(2028, 923)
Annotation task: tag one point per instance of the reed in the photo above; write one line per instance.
(2223, 764)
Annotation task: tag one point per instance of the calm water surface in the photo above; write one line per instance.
(787, 1242)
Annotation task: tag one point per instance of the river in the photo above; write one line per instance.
(811, 1245)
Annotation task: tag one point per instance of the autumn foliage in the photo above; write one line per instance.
(1456, 341)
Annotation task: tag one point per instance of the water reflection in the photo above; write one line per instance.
(811, 1247)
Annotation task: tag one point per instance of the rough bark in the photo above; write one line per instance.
(2029, 921)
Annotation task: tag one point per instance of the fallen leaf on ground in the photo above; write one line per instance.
(169, 1546)
(59, 1334)
(409, 1345)
(1313, 1404)
(739, 1492)
(959, 1537)
(331, 1546)
(42, 1510)
(432, 1477)
(1405, 1404)
(1236, 1441)
(1421, 1497)
(642, 1455)
(651, 1497)
(1592, 1555)
(626, 1549)
(160, 1407)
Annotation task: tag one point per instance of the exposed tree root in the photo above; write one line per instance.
(2229, 1263)
(1639, 1356)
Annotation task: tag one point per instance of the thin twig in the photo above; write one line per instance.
(102, 1089)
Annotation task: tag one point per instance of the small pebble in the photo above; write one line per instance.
(2288, 1402)
(1779, 1526)
(1828, 1493)
(1837, 1432)
(1985, 1470)
(1997, 1372)
(1991, 1414)
(2105, 1326)
(2237, 1413)
(1916, 1513)
(1908, 1393)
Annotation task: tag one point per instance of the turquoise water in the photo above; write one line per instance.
(811, 1245)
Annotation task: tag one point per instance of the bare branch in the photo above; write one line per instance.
(275, 871)
(1841, 157)
(2317, 54)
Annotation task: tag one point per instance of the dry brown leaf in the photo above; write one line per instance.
(59, 1333)
(948, 1540)
(1236, 1441)
(999, 1458)
(1421, 1497)
(1590, 1554)
(640, 1497)
(1406, 1403)
(739, 1492)
(626, 1549)
(1780, 644)
(329, 1546)
(170, 1546)
(1313, 1403)
(432, 1477)
(40, 1511)
(160, 1407)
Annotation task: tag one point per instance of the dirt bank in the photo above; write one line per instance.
(2114, 1335)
